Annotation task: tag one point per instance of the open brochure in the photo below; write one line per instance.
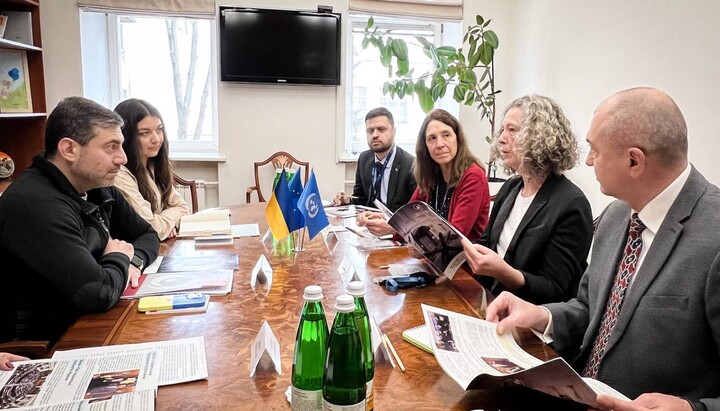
(473, 354)
(205, 223)
(51, 382)
(182, 360)
(433, 236)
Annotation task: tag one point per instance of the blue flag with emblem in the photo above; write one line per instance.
(296, 220)
(310, 205)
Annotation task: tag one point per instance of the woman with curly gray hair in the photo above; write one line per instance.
(540, 229)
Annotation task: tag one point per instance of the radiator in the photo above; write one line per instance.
(206, 192)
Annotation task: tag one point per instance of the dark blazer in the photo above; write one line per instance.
(667, 335)
(400, 186)
(552, 242)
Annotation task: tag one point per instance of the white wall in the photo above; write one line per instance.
(258, 120)
(580, 52)
(577, 52)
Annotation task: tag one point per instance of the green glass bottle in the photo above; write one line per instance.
(357, 290)
(310, 352)
(344, 378)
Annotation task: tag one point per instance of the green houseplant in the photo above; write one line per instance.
(470, 69)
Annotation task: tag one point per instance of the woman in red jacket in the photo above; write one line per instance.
(449, 178)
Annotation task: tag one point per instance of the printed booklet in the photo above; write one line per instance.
(433, 236)
(473, 354)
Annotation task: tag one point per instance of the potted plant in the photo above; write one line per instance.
(470, 69)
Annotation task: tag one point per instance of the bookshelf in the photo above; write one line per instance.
(22, 134)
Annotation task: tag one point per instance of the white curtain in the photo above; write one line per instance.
(189, 8)
(442, 9)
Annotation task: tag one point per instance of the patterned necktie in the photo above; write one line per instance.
(377, 182)
(612, 309)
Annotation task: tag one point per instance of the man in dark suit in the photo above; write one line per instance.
(647, 315)
(384, 171)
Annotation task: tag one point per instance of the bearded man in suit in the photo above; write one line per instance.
(384, 172)
(646, 319)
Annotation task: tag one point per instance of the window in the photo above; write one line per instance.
(168, 61)
(366, 77)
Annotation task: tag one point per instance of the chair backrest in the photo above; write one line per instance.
(193, 190)
(280, 160)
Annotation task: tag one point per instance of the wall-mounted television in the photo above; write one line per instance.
(279, 46)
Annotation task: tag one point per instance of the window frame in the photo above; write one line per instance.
(186, 150)
(352, 147)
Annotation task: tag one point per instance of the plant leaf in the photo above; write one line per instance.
(371, 22)
(399, 49)
(486, 53)
(486, 23)
(403, 67)
(478, 19)
(490, 37)
(423, 41)
(386, 55)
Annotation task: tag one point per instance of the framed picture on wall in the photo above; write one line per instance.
(15, 94)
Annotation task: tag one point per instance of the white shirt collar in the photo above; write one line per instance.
(389, 157)
(653, 214)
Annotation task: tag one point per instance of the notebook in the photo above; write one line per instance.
(418, 336)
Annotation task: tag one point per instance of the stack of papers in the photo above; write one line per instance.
(218, 282)
(121, 376)
(205, 223)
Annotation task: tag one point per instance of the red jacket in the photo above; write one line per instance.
(469, 203)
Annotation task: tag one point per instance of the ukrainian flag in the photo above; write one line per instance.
(274, 210)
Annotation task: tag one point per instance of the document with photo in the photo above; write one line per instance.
(137, 401)
(183, 360)
(49, 382)
(433, 236)
(473, 354)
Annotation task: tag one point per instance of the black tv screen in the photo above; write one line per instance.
(279, 46)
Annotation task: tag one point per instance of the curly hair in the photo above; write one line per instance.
(426, 169)
(133, 111)
(545, 141)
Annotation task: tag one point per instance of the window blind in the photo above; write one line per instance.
(187, 8)
(441, 9)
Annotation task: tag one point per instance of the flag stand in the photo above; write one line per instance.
(299, 242)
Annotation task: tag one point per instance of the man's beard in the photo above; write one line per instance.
(381, 149)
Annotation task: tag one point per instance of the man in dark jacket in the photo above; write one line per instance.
(384, 172)
(69, 243)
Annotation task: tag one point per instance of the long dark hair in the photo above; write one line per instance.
(132, 112)
(426, 169)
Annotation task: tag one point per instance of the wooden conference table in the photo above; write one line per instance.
(231, 323)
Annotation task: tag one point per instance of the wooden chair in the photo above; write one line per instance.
(179, 181)
(30, 349)
(280, 160)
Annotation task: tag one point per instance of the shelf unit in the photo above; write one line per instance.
(22, 135)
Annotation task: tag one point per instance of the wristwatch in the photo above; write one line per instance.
(137, 262)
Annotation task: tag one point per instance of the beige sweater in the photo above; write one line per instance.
(164, 221)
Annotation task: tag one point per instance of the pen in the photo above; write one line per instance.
(384, 267)
(392, 349)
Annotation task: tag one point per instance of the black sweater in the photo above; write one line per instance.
(51, 250)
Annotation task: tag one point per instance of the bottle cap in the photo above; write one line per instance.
(345, 304)
(313, 293)
(356, 289)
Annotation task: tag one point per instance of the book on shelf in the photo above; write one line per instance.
(428, 232)
(473, 354)
(218, 282)
(418, 336)
(205, 223)
(18, 27)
